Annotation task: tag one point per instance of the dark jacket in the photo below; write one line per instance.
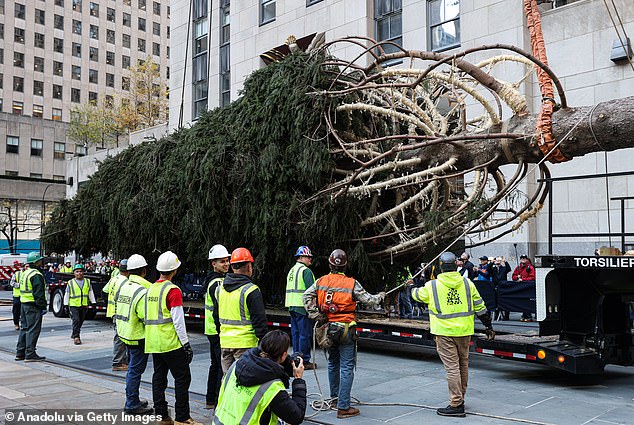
(500, 273)
(252, 369)
(39, 289)
(211, 290)
(255, 303)
(469, 266)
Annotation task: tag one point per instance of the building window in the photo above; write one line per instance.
(141, 4)
(94, 9)
(141, 24)
(18, 107)
(76, 73)
(18, 59)
(36, 147)
(168, 31)
(109, 58)
(444, 24)
(311, 2)
(127, 19)
(75, 95)
(167, 52)
(110, 14)
(92, 97)
(38, 111)
(81, 150)
(38, 64)
(57, 91)
(157, 8)
(59, 150)
(110, 36)
(125, 83)
(267, 11)
(388, 18)
(13, 144)
(125, 38)
(56, 114)
(110, 80)
(11, 173)
(109, 100)
(156, 49)
(200, 9)
(18, 84)
(94, 32)
(93, 76)
(58, 45)
(225, 68)
(1, 56)
(35, 175)
(58, 68)
(156, 28)
(141, 45)
(38, 88)
(39, 40)
(58, 22)
(125, 62)
(1, 31)
(20, 11)
(59, 177)
(76, 27)
(18, 35)
(40, 17)
(93, 54)
(1, 7)
(77, 50)
(77, 5)
(59, 3)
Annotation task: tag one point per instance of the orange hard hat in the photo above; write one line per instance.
(241, 255)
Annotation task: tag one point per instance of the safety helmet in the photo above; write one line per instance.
(303, 251)
(136, 261)
(447, 261)
(338, 258)
(241, 255)
(33, 257)
(123, 265)
(167, 262)
(218, 251)
(78, 266)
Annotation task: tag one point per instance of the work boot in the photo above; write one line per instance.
(210, 406)
(457, 411)
(310, 366)
(347, 413)
(17, 327)
(77, 341)
(19, 357)
(141, 410)
(189, 421)
(120, 368)
(165, 420)
(35, 358)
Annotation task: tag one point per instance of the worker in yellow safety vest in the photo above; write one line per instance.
(219, 257)
(77, 297)
(119, 349)
(298, 279)
(166, 339)
(453, 301)
(32, 308)
(254, 389)
(240, 309)
(15, 285)
(129, 309)
(66, 268)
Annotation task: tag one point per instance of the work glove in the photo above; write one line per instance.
(382, 295)
(189, 353)
(321, 320)
(490, 333)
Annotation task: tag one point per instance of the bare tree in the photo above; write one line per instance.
(17, 216)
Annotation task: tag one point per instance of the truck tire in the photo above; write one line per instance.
(91, 313)
(57, 302)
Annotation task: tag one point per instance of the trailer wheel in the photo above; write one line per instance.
(91, 313)
(57, 302)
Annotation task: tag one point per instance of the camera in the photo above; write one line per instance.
(297, 358)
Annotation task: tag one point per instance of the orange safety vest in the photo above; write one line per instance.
(341, 287)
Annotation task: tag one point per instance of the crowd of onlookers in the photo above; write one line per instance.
(90, 266)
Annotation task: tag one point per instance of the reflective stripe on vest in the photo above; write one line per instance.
(113, 293)
(239, 405)
(78, 297)
(439, 313)
(210, 324)
(236, 329)
(160, 335)
(26, 287)
(16, 291)
(295, 285)
(129, 327)
(342, 288)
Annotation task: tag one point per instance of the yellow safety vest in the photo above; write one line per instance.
(236, 329)
(65, 269)
(26, 287)
(210, 323)
(130, 328)
(78, 297)
(160, 335)
(16, 291)
(111, 288)
(245, 405)
(453, 301)
(295, 285)
(140, 280)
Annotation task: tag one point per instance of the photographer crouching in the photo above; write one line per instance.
(254, 389)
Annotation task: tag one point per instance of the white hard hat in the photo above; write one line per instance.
(218, 251)
(167, 262)
(136, 261)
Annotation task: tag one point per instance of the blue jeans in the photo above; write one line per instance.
(342, 358)
(137, 361)
(405, 303)
(301, 334)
